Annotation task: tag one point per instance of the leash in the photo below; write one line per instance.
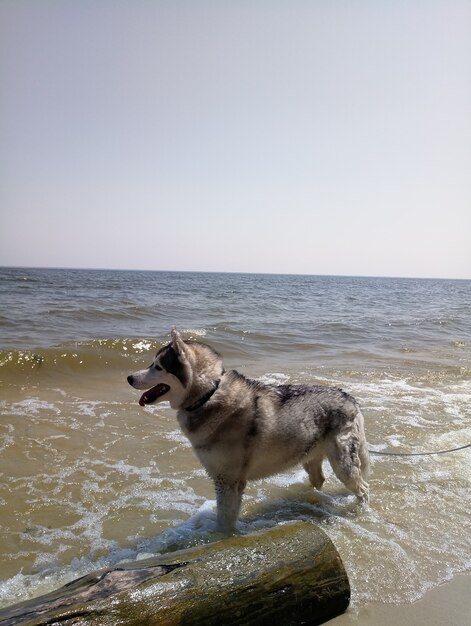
(468, 445)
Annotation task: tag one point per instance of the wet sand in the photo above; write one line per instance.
(446, 605)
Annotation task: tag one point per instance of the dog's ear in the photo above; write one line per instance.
(177, 342)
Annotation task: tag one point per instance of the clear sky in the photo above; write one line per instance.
(314, 137)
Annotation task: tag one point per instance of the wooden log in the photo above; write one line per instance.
(291, 574)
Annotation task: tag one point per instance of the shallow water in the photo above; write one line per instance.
(89, 478)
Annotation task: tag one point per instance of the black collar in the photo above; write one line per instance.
(199, 403)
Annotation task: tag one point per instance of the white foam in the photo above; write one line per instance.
(142, 346)
(287, 478)
(194, 332)
(88, 408)
(274, 378)
(155, 409)
(178, 437)
(30, 406)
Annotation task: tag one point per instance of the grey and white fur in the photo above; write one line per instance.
(242, 429)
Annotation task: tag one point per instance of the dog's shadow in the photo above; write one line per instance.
(299, 501)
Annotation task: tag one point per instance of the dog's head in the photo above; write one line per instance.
(180, 372)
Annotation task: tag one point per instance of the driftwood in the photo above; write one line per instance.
(290, 574)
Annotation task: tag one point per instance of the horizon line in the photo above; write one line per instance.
(247, 273)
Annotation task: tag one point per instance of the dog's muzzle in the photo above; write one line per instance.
(152, 394)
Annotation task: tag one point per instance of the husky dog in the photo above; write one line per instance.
(243, 429)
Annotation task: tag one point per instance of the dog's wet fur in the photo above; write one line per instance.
(242, 429)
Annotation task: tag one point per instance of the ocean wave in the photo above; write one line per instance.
(81, 355)
(119, 353)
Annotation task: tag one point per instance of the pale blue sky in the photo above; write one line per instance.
(315, 137)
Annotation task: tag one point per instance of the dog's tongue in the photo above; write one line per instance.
(152, 394)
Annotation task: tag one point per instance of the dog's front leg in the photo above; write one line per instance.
(228, 500)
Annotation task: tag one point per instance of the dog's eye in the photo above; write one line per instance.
(158, 368)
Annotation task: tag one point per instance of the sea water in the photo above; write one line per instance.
(89, 478)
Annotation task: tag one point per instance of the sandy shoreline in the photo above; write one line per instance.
(449, 604)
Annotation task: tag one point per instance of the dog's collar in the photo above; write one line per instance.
(199, 403)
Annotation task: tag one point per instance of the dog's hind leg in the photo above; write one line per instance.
(228, 500)
(343, 454)
(313, 468)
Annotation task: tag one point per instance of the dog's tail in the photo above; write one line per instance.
(363, 452)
